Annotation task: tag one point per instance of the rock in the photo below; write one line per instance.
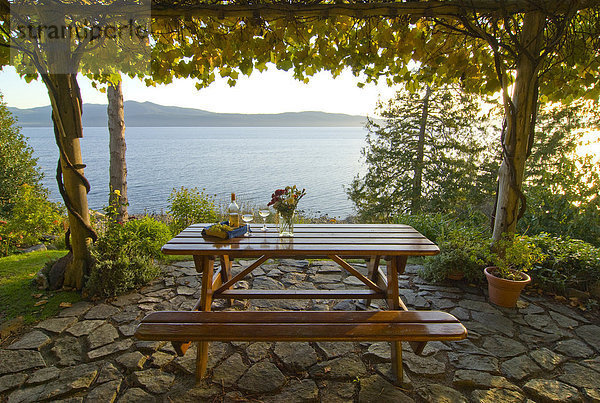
(8, 382)
(262, 377)
(56, 325)
(136, 395)
(296, 391)
(376, 389)
(436, 393)
(185, 290)
(461, 313)
(345, 305)
(104, 393)
(479, 306)
(579, 376)
(590, 334)
(477, 379)
(154, 380)
(495, 321)
(467, 346)
(519, 367)
(19, 360)
(126, 300)
(503, 347)
(379, 352)
(333, 349)
(103, 335)
(68, 350)
(229, 371)
(267, 283)
(347, 367)
(129, 329)
(43, 375)
(274, 273)
(296, 356)
(593, 395)
(70, 379)
(126, 316)
(474, 362)
(573, 348)
(103, 351)
(101, 311)
(547, 359)
(34, 340)
(132, 361)
(543, 323)
(550, 390)
(563, 321)
(160, 359)
(26, 394)
(85, 327)
(108, 373)
(77, 309)
(35, 248)
(497, 395)
(353, 281)
(535, 337)
(56, 275)
(326, 278)
(385, 370)
(257, 351)
(41, 281)
(337, 392)
(202, 392)
(593, 363)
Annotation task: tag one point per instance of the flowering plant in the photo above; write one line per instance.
(286, 200)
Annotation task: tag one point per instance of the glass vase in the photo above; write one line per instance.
(286, 225)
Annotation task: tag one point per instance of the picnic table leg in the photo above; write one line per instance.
(394, 265)
(207, 265)
(372, 267)
(226, 273)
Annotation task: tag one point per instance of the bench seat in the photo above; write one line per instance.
(420, 326)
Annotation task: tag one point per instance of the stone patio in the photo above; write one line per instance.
(543, 351)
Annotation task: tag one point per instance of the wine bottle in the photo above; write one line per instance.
(234, 213)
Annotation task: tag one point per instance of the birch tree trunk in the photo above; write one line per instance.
(520, 113)
(117, 146)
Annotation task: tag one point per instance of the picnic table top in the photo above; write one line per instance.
(310, 240)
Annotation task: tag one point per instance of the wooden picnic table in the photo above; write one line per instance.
(393, 243)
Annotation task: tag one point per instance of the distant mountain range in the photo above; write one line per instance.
(147, 114)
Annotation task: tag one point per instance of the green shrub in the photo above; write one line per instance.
(189, 206)
(566, 263)
(32, 216)
(17, 165)
(462, 250)
(123, 256)
(432, 226)
(113, 277)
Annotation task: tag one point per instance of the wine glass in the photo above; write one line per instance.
(247, 216)
(264, 212)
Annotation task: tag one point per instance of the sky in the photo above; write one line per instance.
(272, 91)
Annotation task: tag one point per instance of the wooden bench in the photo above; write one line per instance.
(394, 326)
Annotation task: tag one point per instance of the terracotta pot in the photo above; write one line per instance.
(504, 292)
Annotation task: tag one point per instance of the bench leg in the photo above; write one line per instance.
(372, 266)
(395, 264)
(207, 265)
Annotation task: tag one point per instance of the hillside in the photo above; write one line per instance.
(147, 114)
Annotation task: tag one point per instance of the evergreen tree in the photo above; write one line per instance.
(17, 165)
(427, 156)
(562, 185)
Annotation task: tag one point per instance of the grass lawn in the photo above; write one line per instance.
(18, 295)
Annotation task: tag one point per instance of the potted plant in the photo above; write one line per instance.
(506, 280)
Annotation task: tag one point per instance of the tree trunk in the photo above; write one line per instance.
(66, 115)
(520, 122)
(418, 178)
(118, 166)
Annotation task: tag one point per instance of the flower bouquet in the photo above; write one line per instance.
(285, 202)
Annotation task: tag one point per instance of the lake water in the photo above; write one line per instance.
(252, 162)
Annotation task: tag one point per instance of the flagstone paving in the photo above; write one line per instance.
(541, 351)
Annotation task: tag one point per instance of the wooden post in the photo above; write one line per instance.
(205, 264)
(395, 264)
